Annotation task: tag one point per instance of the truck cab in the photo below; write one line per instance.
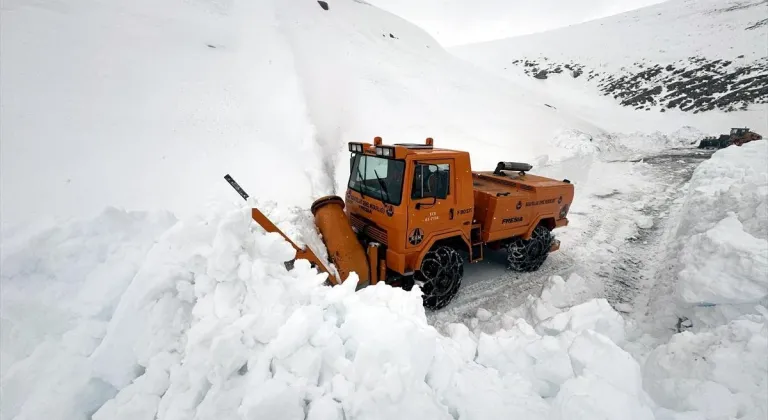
(407, 197)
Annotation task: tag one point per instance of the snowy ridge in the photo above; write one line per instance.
(694, 84)
(691, 55)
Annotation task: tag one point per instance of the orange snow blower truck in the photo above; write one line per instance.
(413, 214)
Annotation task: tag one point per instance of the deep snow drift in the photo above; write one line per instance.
(172, 95)
(212, 325)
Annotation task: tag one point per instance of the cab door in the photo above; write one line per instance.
(432, 200)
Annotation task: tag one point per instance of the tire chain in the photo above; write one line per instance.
(521, 255)
(441, 267)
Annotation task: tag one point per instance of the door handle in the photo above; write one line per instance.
(450, 214)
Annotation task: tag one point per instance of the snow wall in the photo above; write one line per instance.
(719, 248)
(172, 95)
(718, 292)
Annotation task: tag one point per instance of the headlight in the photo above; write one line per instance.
(356, 147)
(383, 151)
(564, 211)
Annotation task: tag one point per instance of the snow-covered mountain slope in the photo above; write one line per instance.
(688, 55)
(455, 22)
(171, 95)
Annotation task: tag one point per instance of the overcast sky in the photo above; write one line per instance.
(454, 22)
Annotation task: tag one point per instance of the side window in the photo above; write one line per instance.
(431, 180)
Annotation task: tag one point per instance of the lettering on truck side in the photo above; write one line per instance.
(508, 220)
(540, 202)
(369, 207)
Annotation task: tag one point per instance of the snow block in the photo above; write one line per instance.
(724, 265)
(607, 383)
(562, 293)
(595, 314)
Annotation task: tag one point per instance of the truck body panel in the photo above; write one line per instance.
(512, 205)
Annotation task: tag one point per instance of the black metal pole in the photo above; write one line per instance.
(236, 186)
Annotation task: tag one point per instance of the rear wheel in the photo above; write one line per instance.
(529, 255)
(440, 276)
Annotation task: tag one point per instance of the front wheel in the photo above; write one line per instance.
(440, 276)
(529, 255)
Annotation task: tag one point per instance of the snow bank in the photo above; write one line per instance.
(213, 325)
(59, 291)
(238, 336)
(721, 373)
(209, 323)
(582, 358)
(717, 292)
(721, 243)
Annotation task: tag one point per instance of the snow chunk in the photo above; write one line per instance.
(324, 408)
(607, 384)
(483, 314)
(719, 373)
(596, 315)
(595, 353)
(562, 294)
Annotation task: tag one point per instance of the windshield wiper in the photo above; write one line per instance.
(362, 180)
(383, 185)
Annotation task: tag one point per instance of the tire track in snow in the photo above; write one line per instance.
(648, 251)
(622, 267)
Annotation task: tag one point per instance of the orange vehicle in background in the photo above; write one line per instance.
(414, 214)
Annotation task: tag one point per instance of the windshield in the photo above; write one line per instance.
(377, 177)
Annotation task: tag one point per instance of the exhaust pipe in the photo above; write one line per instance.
(344, 250)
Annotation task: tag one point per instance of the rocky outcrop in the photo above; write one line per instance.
(696, 84)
